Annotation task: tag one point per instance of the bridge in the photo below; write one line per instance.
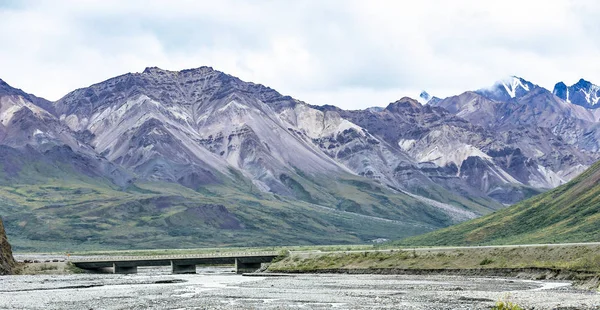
(244, 262)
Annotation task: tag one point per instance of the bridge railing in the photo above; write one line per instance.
(180, 256)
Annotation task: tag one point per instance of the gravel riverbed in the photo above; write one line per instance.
(220, 288)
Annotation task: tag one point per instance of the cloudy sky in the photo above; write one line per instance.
(352, 54)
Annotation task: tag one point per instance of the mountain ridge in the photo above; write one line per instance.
(508, 89)
(217, 163)
(582, 93)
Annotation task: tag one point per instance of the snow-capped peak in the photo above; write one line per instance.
(512, 84)
(589, 91)
(424, 97)
(507, 88)
(582, 93)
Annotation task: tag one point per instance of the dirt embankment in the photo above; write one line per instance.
(7, 262)
(577, 263)
(580, 279)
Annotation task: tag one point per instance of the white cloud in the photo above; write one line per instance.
(353, 54)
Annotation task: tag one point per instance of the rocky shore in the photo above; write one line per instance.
(221, 288)
(580, 279)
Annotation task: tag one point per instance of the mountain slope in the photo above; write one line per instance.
(193, 126)
(568, 213)
(193, 158)
(555, 140)
(369, 153)
(28, 131)
(445, 150)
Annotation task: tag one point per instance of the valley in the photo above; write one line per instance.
(278, 154)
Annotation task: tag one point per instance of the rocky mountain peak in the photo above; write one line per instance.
(206, 78)
(154, 70)
(7, 90)
(583, 84)
(185, 87)
(507, 89)
(583, 93)
(424, 97)
(375, 109)
(405, 103)
(560, 90)
(202, 71)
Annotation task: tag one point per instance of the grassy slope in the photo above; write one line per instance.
(569, 213)
(580, 258)
(50, 207)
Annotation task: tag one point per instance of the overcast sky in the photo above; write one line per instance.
(352, 54)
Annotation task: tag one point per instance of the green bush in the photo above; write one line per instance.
(486, 261)
(506, 305)
(74, 269)
(282, 255)
(47, 267)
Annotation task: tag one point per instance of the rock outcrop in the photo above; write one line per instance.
(7, 262)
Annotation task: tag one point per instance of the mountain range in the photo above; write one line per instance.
(199, 157)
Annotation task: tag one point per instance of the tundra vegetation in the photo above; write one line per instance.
(583, 259)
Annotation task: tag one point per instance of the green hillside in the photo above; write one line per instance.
(48, 205)
(569, 213)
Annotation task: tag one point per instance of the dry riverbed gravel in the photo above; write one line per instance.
(220, 288)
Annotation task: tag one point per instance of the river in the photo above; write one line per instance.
(220, 288)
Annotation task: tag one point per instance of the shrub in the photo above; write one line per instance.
(74, 269)
(282, 255)
(46, 267)
(506, 305)
(486, 261)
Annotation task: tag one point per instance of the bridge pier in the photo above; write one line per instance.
(181, 268)
(242, 266)
(124, 268)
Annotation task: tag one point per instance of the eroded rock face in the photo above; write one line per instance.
(192, 126)
(7, 262)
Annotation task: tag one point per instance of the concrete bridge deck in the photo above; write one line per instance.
(244, 262)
